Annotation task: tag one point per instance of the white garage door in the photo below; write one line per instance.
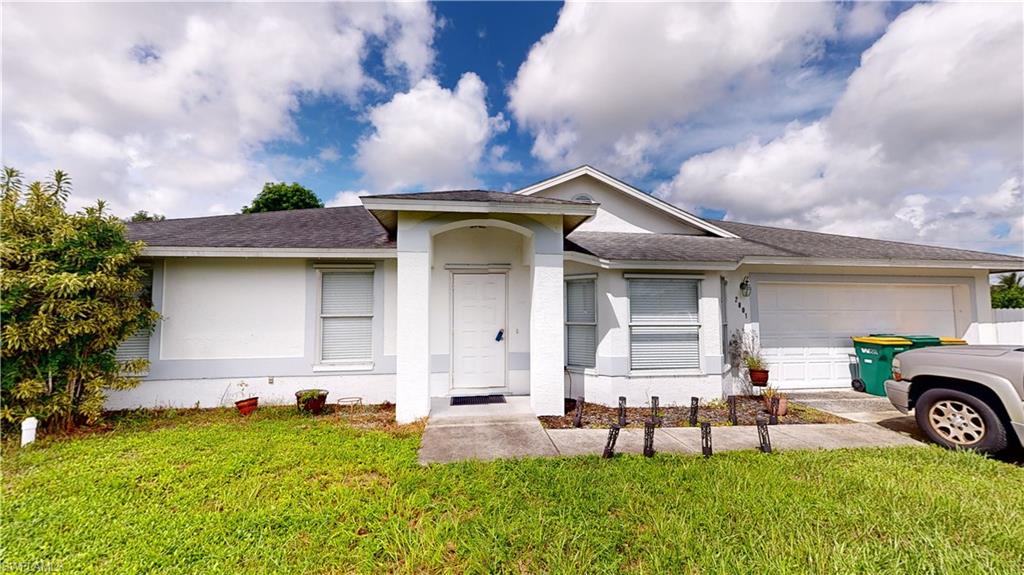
(806, 327)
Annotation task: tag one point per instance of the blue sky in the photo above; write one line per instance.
(492, 40)
(892, 120)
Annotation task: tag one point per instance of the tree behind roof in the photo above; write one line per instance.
(279, 196)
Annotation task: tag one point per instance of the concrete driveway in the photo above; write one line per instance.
(866, 408)
(859, 407)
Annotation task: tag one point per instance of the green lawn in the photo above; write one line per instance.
(282, 493)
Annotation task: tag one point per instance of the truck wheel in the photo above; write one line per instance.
(958, 420)
(858, 384)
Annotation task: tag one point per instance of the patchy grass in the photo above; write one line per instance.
(190, 492)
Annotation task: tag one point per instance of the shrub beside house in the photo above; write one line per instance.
(72, 291)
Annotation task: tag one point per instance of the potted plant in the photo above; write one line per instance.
(757, 368)
(311, 400)
(750, 355)
(249, 402)
(770, 392)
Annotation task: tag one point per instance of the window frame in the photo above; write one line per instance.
(320, 364)
(580, 278)
(150, 269)
(630, 324)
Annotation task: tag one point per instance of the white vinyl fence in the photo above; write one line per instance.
(1009, 325)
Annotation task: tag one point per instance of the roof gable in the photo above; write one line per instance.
(633, 198)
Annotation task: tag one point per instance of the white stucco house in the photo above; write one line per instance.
(580, 280)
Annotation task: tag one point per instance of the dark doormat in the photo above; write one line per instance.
(478, 399)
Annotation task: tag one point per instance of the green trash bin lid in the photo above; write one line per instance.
(917, 340)
(883, 340)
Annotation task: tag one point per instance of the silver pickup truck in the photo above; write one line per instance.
(963, 397)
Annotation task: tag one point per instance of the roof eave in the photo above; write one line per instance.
(478, 207)
(995, 266)
(249, 252)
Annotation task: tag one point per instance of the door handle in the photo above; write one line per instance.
(501, 335)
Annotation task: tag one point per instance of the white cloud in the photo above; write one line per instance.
(166, 107)
(864, 19)
(497, 162)
(608, 81)
(429, 137)
(346, 198)
(925, 144)
(329, 154)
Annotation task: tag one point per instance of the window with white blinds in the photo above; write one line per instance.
(580, 323)
(346, 316)
(137, 344)
(664, 324)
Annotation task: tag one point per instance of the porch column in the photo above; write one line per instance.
(547, 338)
(412, 385)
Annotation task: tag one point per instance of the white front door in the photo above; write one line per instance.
(478, 315)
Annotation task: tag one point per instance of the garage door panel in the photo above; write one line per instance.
(819, 371)
(773, 320)
(806, 327)
(793, 371)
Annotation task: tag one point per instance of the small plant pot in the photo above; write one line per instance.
(758, 377)
(783, 405)
(247, 406)
(311, 400)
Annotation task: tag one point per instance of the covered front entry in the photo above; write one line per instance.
(479, 296)
(478, 331)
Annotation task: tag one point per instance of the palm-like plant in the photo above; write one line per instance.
(1011, 280)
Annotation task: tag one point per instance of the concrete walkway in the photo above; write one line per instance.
(511, 430)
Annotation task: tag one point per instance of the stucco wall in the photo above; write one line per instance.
(232, 308)
(227, 320)
(223, 392)
(617, 211)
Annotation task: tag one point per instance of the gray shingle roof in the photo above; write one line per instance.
(763, 241)
(475, 196)
(666, 247)
(354, 227)
(801, 243)
(350, 227)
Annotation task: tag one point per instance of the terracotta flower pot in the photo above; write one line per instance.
(247, 406)
(783, 405)
(311, 400)
(758, 377)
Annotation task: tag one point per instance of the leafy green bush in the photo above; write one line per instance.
(1009, 292)
(279, 196)
(1007, 297)
(72, 291)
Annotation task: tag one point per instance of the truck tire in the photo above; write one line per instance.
(958, 420)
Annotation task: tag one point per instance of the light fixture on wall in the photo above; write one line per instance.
(745, 286)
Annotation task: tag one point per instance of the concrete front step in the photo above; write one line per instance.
(461, 441)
